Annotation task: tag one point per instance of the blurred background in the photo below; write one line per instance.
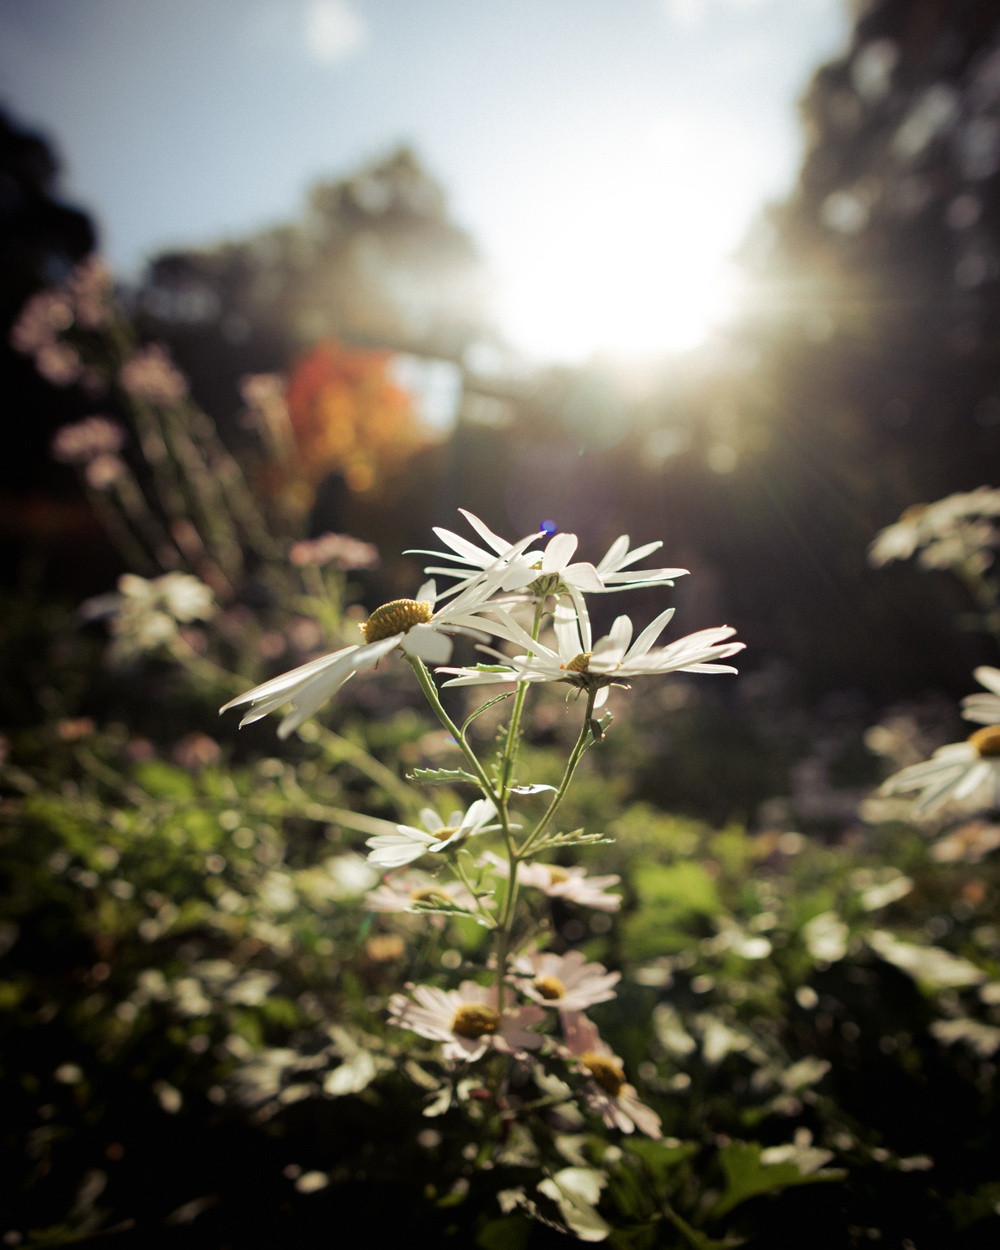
(284, 283)
(722, 272)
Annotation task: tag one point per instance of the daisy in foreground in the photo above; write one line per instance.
(607, 662)
(549, 570)
(411, 625)
(466, 1020)
(610, 1095)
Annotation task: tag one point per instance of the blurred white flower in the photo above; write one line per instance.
(944, 534)
(87, 440)
(984, 709)
(566, 982)
(466, 1020)
(403, 892)
(340, 549)
(43, 317)
(147, 612)
(609, 1094)
(966, 774)
(406, 843)
(572, 885)
(151, 376)
(970, 843)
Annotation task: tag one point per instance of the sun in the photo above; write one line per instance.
(624, 245)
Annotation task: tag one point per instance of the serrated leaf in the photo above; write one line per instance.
(507, 694)
(441, 776)
(422, 909)
(576, 838)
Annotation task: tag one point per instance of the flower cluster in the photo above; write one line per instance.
(946, 534)
(152, 377)
(528, 1008)
(82, 302)
(147, 613)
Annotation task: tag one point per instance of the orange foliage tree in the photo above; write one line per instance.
(349, 416)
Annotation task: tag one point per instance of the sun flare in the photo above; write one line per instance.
(625, 247)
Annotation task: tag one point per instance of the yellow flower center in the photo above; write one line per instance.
(396, 618)
(987, 740)
(605, 1072)
(550, 988)
(579, 663)
(557, 875)
(473, 1020)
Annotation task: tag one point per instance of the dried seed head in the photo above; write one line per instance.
(396, 617)
(473, 1020)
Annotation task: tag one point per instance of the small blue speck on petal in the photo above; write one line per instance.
(549, 527)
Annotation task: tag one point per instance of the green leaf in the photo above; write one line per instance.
(684, 887)
(576, 838)
(660, 1158)
(746, 1176)
(442, 776)
(507, 694)
(422, 909)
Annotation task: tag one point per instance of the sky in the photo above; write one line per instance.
(607, 156)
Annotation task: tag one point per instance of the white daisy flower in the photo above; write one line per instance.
(572, 885)
(984, 709)
(566, 982)
(966, 773)
(599, 665)
(609, 1094)
(473, 561)
(412, 625)
(406, 843)
(466, 1020)
(551, 568)
(403, 892)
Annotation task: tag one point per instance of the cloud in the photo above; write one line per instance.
(334, 31)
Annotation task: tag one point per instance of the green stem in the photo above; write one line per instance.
(498, 800)
(463, 876)
(505, 924)
(432, 697)
(571, 765)
(513, 729)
